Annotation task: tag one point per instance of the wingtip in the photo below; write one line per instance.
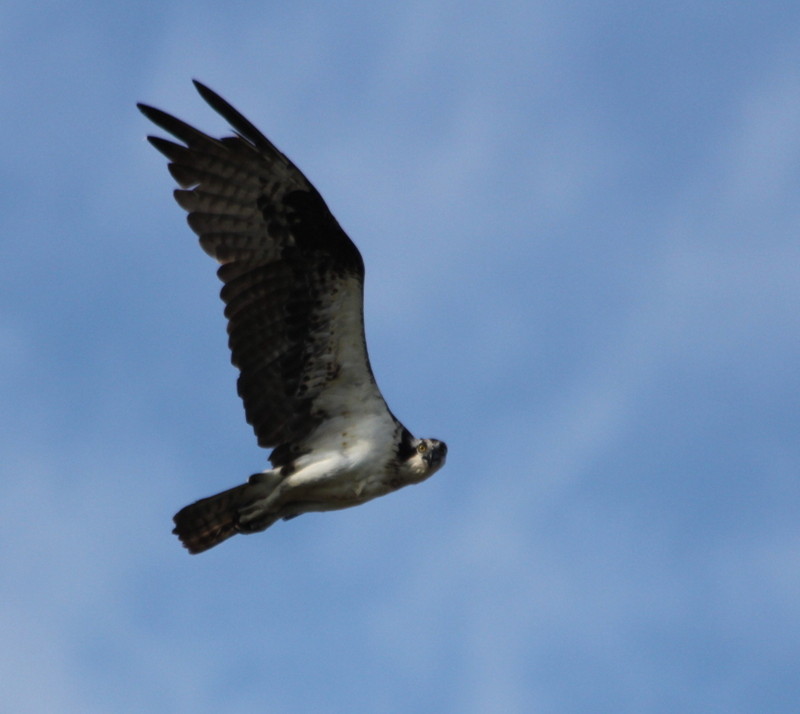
(238, 122)
(206, 93)
(157, 116)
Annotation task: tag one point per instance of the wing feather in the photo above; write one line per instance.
(293, 280)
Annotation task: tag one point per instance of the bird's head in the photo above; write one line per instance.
(427, 458)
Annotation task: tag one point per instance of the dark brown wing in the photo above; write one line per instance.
(293, 279)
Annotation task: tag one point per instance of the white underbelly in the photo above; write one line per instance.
(350, 476)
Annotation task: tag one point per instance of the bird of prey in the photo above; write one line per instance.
(293, 292)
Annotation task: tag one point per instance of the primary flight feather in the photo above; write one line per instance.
(293, 293)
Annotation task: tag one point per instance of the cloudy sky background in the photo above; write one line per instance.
(580, 222)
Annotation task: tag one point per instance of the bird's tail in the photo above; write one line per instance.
(209, 521)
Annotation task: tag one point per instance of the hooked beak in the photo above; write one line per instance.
(436, 456)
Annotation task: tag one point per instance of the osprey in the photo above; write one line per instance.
(293, 294)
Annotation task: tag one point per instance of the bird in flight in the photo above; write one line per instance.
(293, 285)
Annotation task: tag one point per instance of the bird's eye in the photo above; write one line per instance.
(422, 448)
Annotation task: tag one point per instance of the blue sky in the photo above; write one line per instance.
(580, 223)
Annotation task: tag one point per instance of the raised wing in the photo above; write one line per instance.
(293, 280)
